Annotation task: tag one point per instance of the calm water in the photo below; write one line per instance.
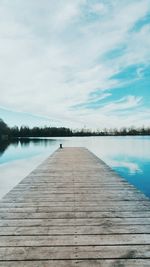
(129, 156)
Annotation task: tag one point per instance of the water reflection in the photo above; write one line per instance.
(24, 142)
(24, 148)
(6, 143)
(3, 147)
(19, 157)
(131, 167)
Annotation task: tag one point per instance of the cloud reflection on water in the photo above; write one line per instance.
(13, 172)
(131, 167)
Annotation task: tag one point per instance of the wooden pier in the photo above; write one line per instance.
(73, 210)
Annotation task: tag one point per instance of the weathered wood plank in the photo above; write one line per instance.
(88, 208)
(71, 199)
(106, 228)
(68, 214)
(74, 221)
(60, 190)
(69, 252)
(72, 240)
(81, 263)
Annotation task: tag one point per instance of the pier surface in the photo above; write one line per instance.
(73, 210)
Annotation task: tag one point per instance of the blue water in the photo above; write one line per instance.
(129, 156)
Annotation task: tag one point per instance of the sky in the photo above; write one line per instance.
(75, 63)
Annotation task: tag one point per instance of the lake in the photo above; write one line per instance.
(128, 156)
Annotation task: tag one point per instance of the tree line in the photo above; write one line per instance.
(25, 131)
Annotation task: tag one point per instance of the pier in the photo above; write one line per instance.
(74, 211)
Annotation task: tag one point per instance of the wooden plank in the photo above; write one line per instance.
(72, 240)
(77, 185)
(69, 199)
(107, 228)
(86, 205)
(76, 209)
(69, 252)
(88, 208)
(74, 221)
(81, 263)
(68, 214)
(79, 190)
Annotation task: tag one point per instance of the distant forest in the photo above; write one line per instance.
(7, 132)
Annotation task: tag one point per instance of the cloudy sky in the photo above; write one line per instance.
(77, 63)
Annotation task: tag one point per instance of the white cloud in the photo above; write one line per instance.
(67, 12)
(51, 54)
(99, 8)
(126, 103)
